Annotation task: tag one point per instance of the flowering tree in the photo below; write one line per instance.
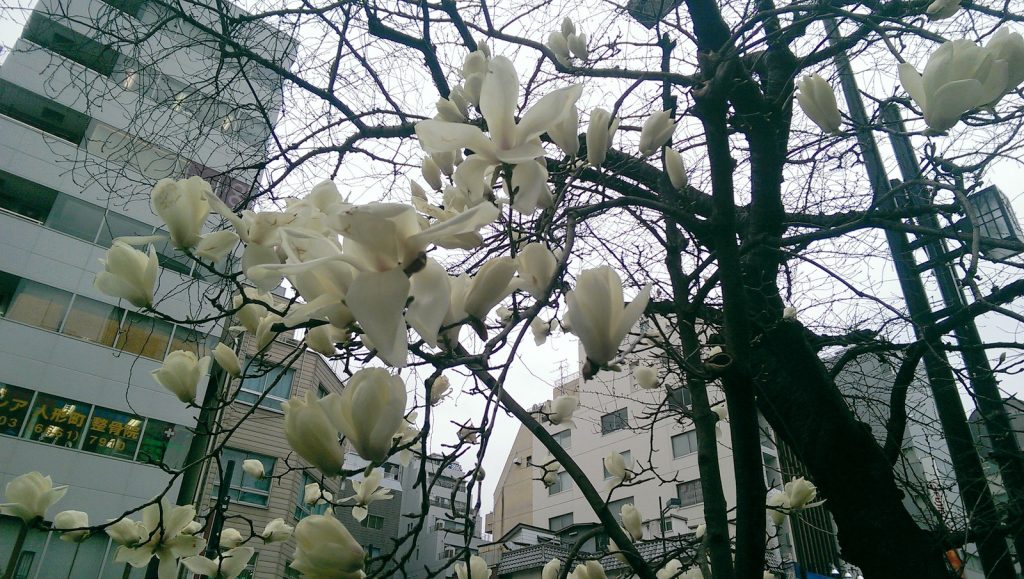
(670, 157)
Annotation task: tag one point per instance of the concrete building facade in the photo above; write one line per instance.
(88, 123)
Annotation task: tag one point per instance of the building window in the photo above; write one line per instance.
(144, 336)
(684, 444)
(615, 507)
(613, 421)
(113, 433)
(14, 407)
(321, 391)
(627, 458)
(164, 443)
(93, 321)
(302, 510)
(38, 305)
(244, 487)
(375, 522)
(679, 398)
(24, 564)
(25, 198)
(563, 482)
(563, 438)
(57, 420)
(276, 381)
(690, 493)
(560, 522)
(75, 218)
(373, 552)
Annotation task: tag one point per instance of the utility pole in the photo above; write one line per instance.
(1007, 451)
(974, 491)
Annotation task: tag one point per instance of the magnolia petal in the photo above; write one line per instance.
(359, 513)
(376, 299)
(633, 311)
(214, 246)
(499, 97)
(466, 222)
(548, 111)
(443, 136)
(431, 294)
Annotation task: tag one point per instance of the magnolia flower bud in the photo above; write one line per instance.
(477, 569)
(128, 274)
(700, 531)
(253, 468)
(265, 332)
(449, 111)
(633, 521)
(489, 286)
(578, 46)
(128, 533)
(192, 528)
(277, 531)
(565, 132)
(722, 411)
(228, 566)
(214, 246)
(323, 338)
(325, 548)
(183, 206)
(559, 45)
(550, 476)
(227, 359)
(250, 314)
(551, 569)
(432, 174)
(530, 190)
(600, 131)
(30, 495)
(230, 538)
(312, 493)
(71, 520)
(181, 372)
(675, 168)
(438, 387)
(942, 9)
(541, 330)
(561, 409)
(369, 411)
(789, 313)
(819, 103)
(598, 314)
(656, 131)
(646, 377)
(536, 265)
(800, 492)
(311, 433)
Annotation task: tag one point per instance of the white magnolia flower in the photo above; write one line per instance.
(646, 377)
(192, 528)
(616, 466)
(1009, 46)
(541, 329)
(789, 313)
(325, 548)
(700, 531)
(670, 570)
(598, 315)
(578, 45)
(368, 491)
(253, 468)
(250, 314)
(508, 141)
(942, 9)
(29, 496)
(312, 434)
(438, 388)
(230, 538)
(483, 291)
(277, 531)
(818, 102)
(529, 188)
(183, 206)
(591, 569)
(550, 476)
(675, 168)
(128, 274)
(469, 434)
(214, 246)
(800, 493)
(600, 132)
(72, 520)
(633, 521)
(565, 132)
(432, 174)
(722, 411)
(775, 503)
(323, 338)
(181, 372)
(129, 533)
(369, 411)
(960, 76)
(559, 410)
(536, 265)
(551, 569)
(312, 494)
(161, 529)
(227, 359)
(477, 569)
(657, 129)
(228, 566)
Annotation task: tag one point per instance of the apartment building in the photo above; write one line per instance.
(97, 102)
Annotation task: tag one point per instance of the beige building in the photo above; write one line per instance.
(260, 436)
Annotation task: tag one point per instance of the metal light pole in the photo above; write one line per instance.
(966, 462)
(1007, 452)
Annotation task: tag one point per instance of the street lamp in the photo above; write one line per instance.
(995, 219)
(649, 12)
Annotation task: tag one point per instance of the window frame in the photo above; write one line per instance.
(551, 521)
(274, 400)
(699, 494)
(241, 487)
(690, 435)
(563, 483)
(627, 457)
